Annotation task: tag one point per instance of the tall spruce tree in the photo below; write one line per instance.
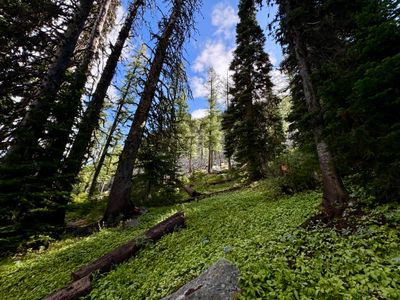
(247, 118)
(305, 43)
(213, 131)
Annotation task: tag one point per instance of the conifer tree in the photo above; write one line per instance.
(132, 78)
(170, 42)
(213, 132)
(304, 46)
(90, 119)
(252, 107)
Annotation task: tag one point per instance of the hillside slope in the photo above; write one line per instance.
(255, 228)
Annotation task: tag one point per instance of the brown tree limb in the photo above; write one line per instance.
(81, 284)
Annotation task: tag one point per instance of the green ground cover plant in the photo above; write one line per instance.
(255, 228)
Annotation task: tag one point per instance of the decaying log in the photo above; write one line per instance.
(126, 251)
(73, 291)
(81, 284)
(167, 226)
(191, 192)
(208, 195)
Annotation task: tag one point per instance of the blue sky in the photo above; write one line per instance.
(212, 46)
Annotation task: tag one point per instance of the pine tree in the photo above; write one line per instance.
(133, 75)
(90, 119)
(213, 132)
(22, 192)
(173, 35)
(297, 36)
(252, 109)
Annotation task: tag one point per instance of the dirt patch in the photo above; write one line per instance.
(349, 220)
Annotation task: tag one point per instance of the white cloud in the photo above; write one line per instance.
(199, 113)
(272, 58)
(113, 93)
(280, 81)
(198, 87)
(225, 19)
(215, 54)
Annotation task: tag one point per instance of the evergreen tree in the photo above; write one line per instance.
(22, 192)
(213, 132)
(186, 132)
(90, 119)
(132, 78)
(251, 114)
(166, 56)
(359, 92)
(303, 44)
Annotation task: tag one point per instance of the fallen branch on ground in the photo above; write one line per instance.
(81, 284)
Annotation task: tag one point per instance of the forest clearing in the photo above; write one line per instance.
(189, 149)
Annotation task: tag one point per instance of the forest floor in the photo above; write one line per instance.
(256, 228)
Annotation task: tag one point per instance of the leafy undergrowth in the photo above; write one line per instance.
(256, 229)
(216, 182)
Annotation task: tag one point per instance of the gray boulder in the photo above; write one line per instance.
(219, 282)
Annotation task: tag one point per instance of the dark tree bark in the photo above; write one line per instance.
(90, 120)
(108, 140)
(75, 290)
(119, 199)
(210, 159)
(335, 197)
(65, 119)
(126, 251)
(33, 124)
(81, 284)
(190, 191)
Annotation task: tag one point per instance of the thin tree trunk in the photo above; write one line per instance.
(190, 162)
(209, 159)
(65, 121)
(334, 194)
(91, 117)
(33, 124)
(109, 139)
(119, 199)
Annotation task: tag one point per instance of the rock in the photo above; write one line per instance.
(219, 282)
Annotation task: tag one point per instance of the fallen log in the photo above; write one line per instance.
(81, 284)
(73, 291)
(167, 226)
(208, 195)
(219, 182)
(190, 191)
(122, 253)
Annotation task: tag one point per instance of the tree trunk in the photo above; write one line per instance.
(190, 162)
(334, 194)
(122, 253)
(91, 116)
(33, 124)
(81, 285)
(109, 139)
(119, 200)
(209, 166)
(190, 191)
(65, 121)
(73, 291)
